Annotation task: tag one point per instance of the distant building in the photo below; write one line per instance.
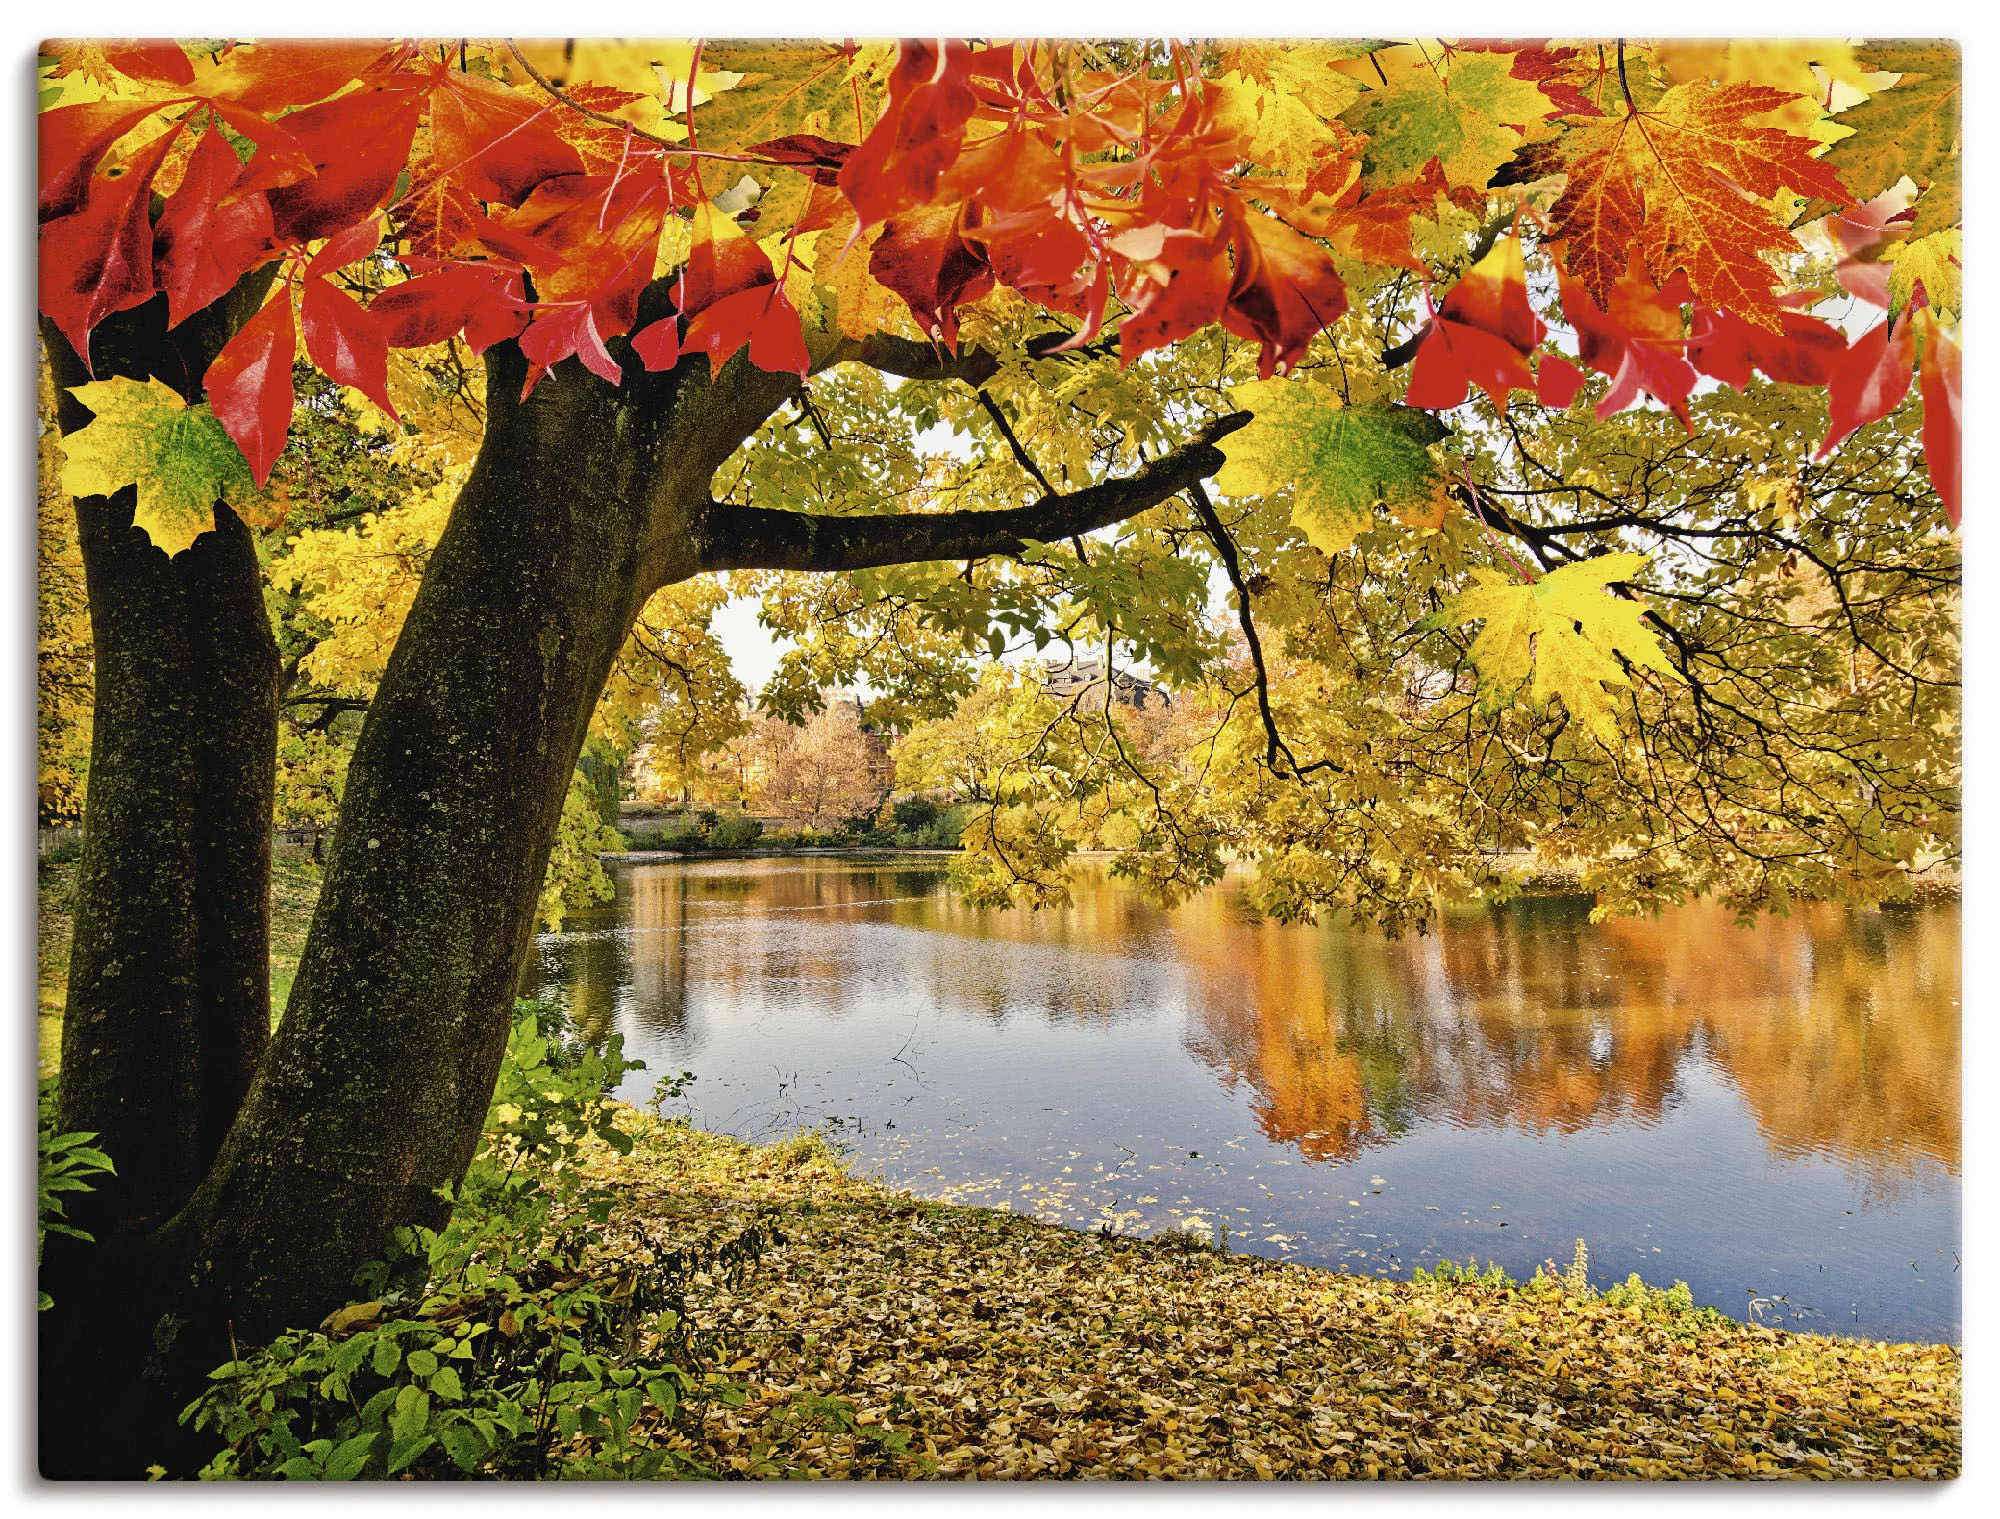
(1065, 681)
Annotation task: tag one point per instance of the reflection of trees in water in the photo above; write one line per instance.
(1839, 1028)
(747, 933)
(655, 909)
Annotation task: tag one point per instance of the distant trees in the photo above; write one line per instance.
(822, 773)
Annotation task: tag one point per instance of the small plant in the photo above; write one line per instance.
(1448, 1273)
(735, 833)
(668, 1089)
(1674, 1306)
(65, 1163)
(805, 1148)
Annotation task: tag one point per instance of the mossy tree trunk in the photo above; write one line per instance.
(169, 1001)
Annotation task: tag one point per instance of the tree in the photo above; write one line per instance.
(819, 774)
(692, 298)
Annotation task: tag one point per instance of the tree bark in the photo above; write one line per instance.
(169, 989)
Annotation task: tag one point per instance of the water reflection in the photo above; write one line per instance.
(1798, 1079)
(1839, 1028)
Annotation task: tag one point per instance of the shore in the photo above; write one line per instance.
(1006, 1348)
(974, 1343)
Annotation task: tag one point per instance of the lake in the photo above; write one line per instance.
(1770, 1113)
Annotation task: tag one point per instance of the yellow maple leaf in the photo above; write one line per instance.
(1283, 99)
(863, 304)
(1936, 263)
(1566, 632)
(143, 434)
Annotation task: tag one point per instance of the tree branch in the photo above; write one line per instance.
(1232, 565)
(911, 359)
(758, 538)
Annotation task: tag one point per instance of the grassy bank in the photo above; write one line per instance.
(1006, 1348)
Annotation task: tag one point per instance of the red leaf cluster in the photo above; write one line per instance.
(532, 214)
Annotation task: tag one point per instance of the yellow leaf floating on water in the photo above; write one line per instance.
(1565, 630)
(143, 434)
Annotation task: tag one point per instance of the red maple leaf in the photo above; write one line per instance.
(1640, 342)
(211, 231)
(919, 134)
(1868, 379)
(250, 384)
(98, 258)
(1483, 334)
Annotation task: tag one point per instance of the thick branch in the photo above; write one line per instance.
(910, 359)
(757, 538)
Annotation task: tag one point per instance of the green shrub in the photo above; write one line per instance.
(540, 1334)
(735, 833)
(912, 813)
(64, 1163)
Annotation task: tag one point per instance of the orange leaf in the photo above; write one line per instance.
(1684, 184)
(919, 134)
(1284, 292)
(1938, 378)
(721, 262)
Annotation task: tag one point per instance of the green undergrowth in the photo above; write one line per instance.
(526, 1339)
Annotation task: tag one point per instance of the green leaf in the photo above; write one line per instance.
(377, 1407)
(413, 1411)
(445, 1383)
(463, 1445)
(178, 456)
(404, 1452)
(1339, 462)
(387, 1357)
(345, 1464)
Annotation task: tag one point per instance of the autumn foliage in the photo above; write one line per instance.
(403, 193)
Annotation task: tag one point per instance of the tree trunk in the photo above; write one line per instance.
(169, 992)
(375, 1087)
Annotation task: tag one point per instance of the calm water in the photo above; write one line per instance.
(1771, 1114)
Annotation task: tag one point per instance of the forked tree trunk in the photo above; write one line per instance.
(586, 497)
(373, 1092)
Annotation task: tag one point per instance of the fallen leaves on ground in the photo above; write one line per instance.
(1006, 1348)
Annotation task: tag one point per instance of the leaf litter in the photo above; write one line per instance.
(976, 1343)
